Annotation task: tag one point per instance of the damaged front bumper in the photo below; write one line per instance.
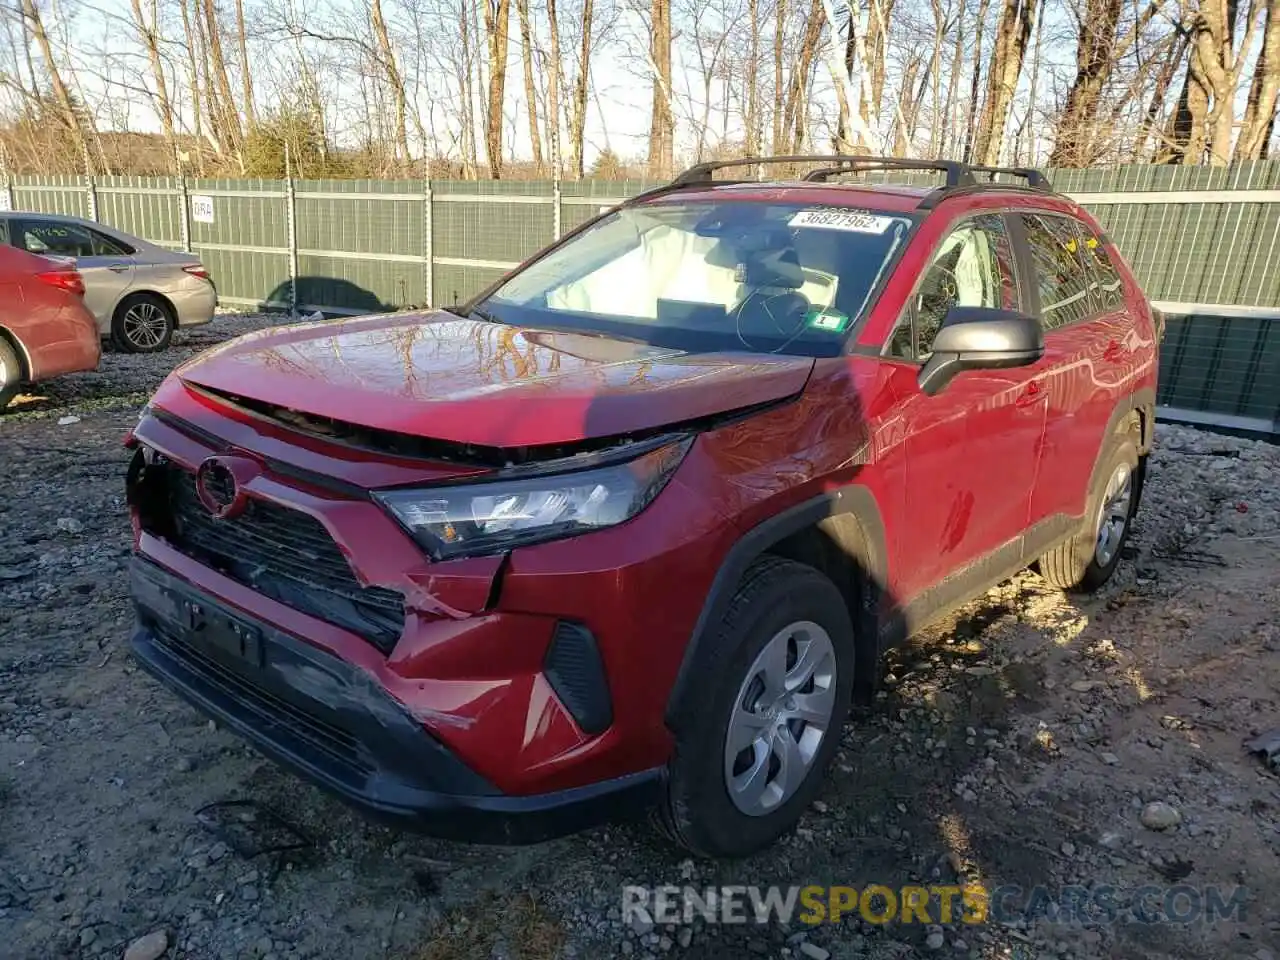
(329, 721)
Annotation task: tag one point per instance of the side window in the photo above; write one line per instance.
(973, 267)
(50, 236)
(1060, 274)
(104, 246)
(1104, 279)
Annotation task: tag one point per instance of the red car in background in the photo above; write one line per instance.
(45, 328)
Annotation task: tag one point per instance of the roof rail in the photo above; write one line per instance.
(957, 173)
(960, 175)
(1035, 179)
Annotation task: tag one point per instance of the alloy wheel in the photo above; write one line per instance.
(145, 325)
(1113, 517)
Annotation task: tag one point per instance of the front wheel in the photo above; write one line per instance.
(752, 752)
(1087, 561)
(143, 323)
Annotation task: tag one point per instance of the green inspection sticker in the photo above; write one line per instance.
(831, 320)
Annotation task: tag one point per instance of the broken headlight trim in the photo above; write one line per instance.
(477, 519)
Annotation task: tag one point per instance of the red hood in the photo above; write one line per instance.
(436, 375)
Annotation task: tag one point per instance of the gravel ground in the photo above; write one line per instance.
(1034, 740)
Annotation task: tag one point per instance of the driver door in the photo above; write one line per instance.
(973, 449)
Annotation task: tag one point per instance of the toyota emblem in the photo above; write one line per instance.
(221, 482)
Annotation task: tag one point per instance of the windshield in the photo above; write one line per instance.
(711, 276)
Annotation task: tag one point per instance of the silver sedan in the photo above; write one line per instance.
(138, 291)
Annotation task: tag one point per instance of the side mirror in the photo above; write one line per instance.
(980, 338)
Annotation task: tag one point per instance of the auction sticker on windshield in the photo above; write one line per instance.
(850, 221)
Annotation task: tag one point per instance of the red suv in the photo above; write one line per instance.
(631, 528)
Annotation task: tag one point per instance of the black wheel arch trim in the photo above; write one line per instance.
(1143, 403)
(863, 542)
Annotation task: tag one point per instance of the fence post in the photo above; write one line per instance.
(428, 247)
(91, 193)
(556, 213)
(292, 226)
(184, 215)
(8, 177)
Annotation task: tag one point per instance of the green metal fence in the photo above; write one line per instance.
(1205, 243)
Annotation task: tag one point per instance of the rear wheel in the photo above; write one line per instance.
(10, 372)
(143, 323)
(1087, 561)
(752, 751)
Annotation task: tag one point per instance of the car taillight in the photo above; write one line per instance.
(68, 280)
(197, 270)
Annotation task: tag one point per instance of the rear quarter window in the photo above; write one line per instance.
(1105, 282)
(104, 246)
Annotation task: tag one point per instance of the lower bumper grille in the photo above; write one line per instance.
(335, 743)
(285, 555)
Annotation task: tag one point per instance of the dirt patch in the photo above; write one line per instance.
(1015, 747)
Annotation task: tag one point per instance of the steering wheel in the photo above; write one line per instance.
(947, 290)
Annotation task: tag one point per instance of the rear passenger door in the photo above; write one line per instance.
(1080, 299)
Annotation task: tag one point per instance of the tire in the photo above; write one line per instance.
(775, 599)
(1087, 561)
(143, 323)
(10, 372)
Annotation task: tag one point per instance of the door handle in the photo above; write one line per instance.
(117, 267)
(1033, 393)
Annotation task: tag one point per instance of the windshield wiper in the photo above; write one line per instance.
(485, 315)
(474, 312)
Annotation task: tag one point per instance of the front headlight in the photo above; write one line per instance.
(494, 516)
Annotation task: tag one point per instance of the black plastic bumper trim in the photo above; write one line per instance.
(576, 673)
(344, 733)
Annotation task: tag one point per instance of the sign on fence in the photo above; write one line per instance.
(202, 209)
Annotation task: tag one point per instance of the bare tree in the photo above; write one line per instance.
(1218, 64)
(530, 92)
(497, 25)
(751, 119)
(1260, 111)
(1100, 48)
(223, 105)
(975, 85)
(662, 120)
(794, 122)
(61, 94)
(148, 33)
(246, 77)
(1175, 50)
(779, 40)
(1012, 36)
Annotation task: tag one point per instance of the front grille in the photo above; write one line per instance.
(285, 555)
(334, 742)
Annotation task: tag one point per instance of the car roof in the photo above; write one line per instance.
(879, 197)
(132, 239)
(70, 218)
